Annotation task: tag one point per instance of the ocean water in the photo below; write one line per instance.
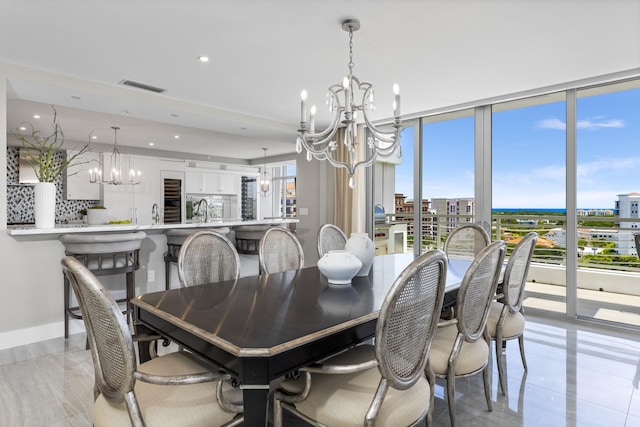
(511, 210)
(539, 210)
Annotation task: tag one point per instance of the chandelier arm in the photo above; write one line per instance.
(340, 164)
(319, 146)
(330, 130)
(381, 135)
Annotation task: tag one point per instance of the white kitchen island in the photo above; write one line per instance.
(34, 278)
(30, 230)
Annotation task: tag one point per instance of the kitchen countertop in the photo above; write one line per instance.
(31, 230)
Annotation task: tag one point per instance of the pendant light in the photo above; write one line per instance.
(266, 182)
(117, 173)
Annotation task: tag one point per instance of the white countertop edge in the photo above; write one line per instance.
(30, 230)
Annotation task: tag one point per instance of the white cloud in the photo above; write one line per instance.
(588, 124)
(592, 125)
(590, 168)
(551, 123)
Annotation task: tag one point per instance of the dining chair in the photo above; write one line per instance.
(506, 316)
(461, 346)
(279, 250)
(173, 389)
(207, 257)
(466, 241)
(330, 237)
(385, 383)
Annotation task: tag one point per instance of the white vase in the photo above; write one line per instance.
(362, 247)
(339, 266)
(97, 216)
(45, 204)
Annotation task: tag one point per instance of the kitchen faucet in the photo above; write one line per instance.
(206, 209)
(155, 216)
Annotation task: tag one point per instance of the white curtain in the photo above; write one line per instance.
(349, 205)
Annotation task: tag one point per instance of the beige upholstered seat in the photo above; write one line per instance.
(461, 345)
(506, 316)
(207, 257)
(104, 254)
(174, 389)
(279, 250)
(330, 237)
(383, 384)
(466, 241)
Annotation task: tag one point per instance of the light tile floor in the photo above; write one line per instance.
(579, 375)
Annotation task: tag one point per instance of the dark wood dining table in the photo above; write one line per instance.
(260, 328)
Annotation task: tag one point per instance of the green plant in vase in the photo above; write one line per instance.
(42, 151)
(42, 154)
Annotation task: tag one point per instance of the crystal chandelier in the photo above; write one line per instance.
(342, 101)
(115, 172)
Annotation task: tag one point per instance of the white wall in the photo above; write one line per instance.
(588, 278)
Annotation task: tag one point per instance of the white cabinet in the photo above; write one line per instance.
(228, 183)
(135, 202)
(194, 182)
(211, 183)
(77, 185)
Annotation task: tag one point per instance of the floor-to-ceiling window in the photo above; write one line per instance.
(447, 175)
(284, 191)
(608, 158)
(393, 192)
(561, 168)
(528, 140)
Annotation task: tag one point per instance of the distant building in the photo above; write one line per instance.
(622, 240)
(594, 212)
(627, 207)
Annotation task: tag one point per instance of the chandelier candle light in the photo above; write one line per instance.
(115, 173)
(322, 145)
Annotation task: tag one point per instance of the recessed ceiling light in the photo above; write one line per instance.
(151, 144)
(204, 59)
(35, 116)
(176, 136)
(94, 137)
(23, 128)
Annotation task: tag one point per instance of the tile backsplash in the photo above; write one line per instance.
(20, 196)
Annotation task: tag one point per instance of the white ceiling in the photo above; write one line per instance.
(263, 53)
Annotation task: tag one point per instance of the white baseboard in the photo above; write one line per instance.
(38, 333)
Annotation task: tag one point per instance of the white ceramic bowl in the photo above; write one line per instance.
(339, 266)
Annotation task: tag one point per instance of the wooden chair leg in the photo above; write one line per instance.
(487, 387)
(66, 307)
(521, 343)
(451, 398)
(499, 363)
(167, 275)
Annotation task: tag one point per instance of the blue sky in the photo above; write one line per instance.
(529, 154)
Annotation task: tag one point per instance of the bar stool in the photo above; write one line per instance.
(175, 239)
(248, 237)
(103, 254)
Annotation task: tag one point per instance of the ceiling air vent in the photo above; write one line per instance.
(142, 86)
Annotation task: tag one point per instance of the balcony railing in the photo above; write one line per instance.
(602, 244)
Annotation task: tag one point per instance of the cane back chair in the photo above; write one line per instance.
(173, 389)
(385, 383)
